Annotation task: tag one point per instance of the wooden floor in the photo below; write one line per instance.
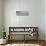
(12, 42)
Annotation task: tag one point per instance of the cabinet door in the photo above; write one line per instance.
(19, 37)
(32, 36)
(28, 37)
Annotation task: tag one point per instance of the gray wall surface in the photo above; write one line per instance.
(0, 18)
(36, 16)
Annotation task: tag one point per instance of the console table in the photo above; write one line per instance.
(23, 33)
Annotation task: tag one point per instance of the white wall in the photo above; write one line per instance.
(0, 18)
(39, 16)
(0, 11)
(45, 19)
(34, 19)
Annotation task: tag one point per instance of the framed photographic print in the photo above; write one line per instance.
(22, 13)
